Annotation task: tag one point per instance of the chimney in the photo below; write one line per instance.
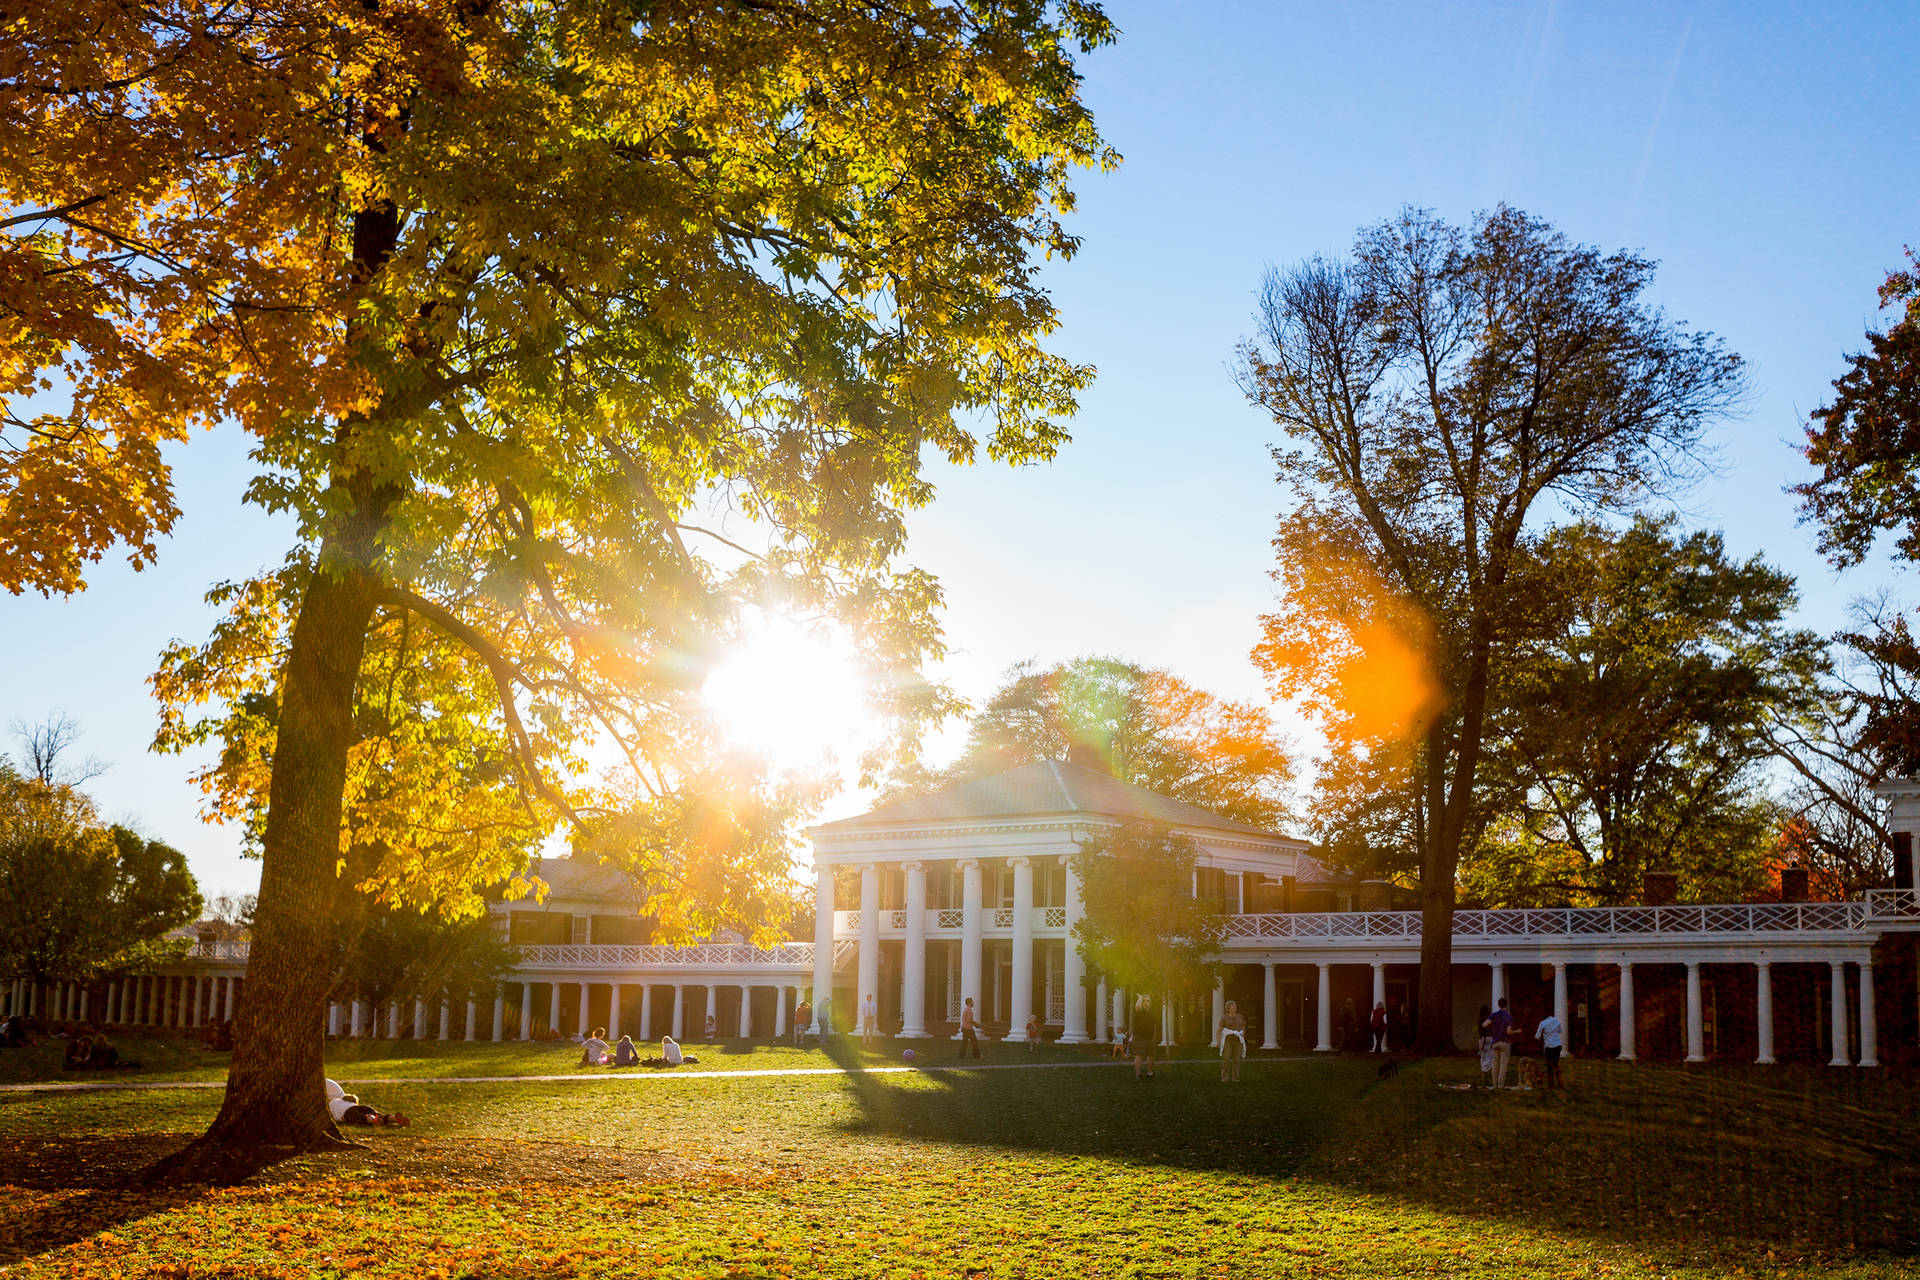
(1662, 889)
(1793, 884)
(1097, 756)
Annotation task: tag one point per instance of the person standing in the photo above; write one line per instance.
(802, 1019)
(1500, 1031)
(1550, 1035)
(1143, 1031)
(969, 1029)
(1377, 1024)
(869, 1020)
(1233, 1042)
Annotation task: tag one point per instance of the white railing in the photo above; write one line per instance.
(950, 918)
(1003, 917)
(231, 949)
(1892, 905)
(1056, 1009)
(709, 955)
(1560, 922)
(1056, 918)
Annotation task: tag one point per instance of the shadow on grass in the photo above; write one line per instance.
(1783, 1158)
(92, 1185)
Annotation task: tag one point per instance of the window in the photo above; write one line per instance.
(582, 930)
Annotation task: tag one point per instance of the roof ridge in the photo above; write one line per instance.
(1066, 792)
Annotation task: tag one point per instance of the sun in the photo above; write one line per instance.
(792, 694)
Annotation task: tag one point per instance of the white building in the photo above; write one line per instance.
(969, 892)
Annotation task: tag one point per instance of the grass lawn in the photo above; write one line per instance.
(1309, 1168)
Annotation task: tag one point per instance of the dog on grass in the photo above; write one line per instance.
(1532, 1074)
(1389, 1069)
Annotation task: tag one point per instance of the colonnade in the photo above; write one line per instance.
(436, 1020)
(148, 1000)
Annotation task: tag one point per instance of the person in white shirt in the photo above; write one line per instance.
(671, 1051)
(345, 1108)
(869, 1020)
(593, 1053)
(1548, 1033)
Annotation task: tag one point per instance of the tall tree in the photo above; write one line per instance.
(1141, 924)
(79, 898)
(1439, 393)
(570, 333)
(1153, 728)
(1631, 725)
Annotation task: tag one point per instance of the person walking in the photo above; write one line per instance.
(969, 1029)
(1550, 1035)
(1485, 1045)
(1500, 1030)
(869, 1020)
(1233, 1042)
(1143, 1031)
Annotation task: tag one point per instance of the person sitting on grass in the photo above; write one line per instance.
(13, 1033)
(593, 1053)
(79, 1049)
(348, 1109)
(624, 1054)
(670, 1055)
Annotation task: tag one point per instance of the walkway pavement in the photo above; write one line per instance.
(642, 1073)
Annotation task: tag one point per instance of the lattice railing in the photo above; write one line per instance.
(1056, 1010)
(1003, 917)
(232, 949)
(1056, 918)
(897, 919)
(1570, 922)
(615, 956)
(1893, 904)
(951, 918)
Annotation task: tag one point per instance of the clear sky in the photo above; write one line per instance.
(1759, 151)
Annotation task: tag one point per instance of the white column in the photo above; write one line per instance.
(233, 987)
(1696, 1032)
(333, 1017)
(526, 1011)
(446, 1019)
(970, 927)
(1763, 1012)
(1379, 988)
(823, 916)
(553, 1006)
(419, 1019)
(1021, 1006)
(1219, 1008)
(1626, 1012)
(84, 993)
(679, 1029)
(354, 1023)
(646, 1010)
(1271, 1008)
(1166, 1021)
(1560, 1009)
(1837, 1007)
(1074, 1029)
(613, 1013)
(393, 1021)
(1324, 1010)
(1121, 1015)
(713, 1009)
(586, 1027)
(869, 981)
(1100, 1011)
(1497, 972)
(746, 1012)
(499, 1015)
(913, 966)
(780, 1012)
(108, 1009)
(472, 1025)
(1869, 1017)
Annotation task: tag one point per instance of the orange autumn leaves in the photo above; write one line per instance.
(1357, 655)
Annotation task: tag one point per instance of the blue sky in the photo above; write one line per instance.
(1758, 151)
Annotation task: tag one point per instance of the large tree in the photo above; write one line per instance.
(79, 898)
(1149, 726)
(1631, 726)
(1140, 924)
(570, 334)
(1441, 394)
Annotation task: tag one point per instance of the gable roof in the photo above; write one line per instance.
(1046, 789)
(577, 878)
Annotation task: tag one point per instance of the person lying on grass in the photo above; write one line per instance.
(348, 1109)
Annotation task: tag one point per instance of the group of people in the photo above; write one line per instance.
(1381, 1030)
(1499, 1030)
(92, 1051)
(596, 1052)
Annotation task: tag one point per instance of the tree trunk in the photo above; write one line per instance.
(275, 1096)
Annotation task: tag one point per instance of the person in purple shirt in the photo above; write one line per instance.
(1499, 1029)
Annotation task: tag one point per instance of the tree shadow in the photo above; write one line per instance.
(91, 1184)
(1790, 1160)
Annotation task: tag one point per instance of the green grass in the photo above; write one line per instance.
(1307, 1169)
